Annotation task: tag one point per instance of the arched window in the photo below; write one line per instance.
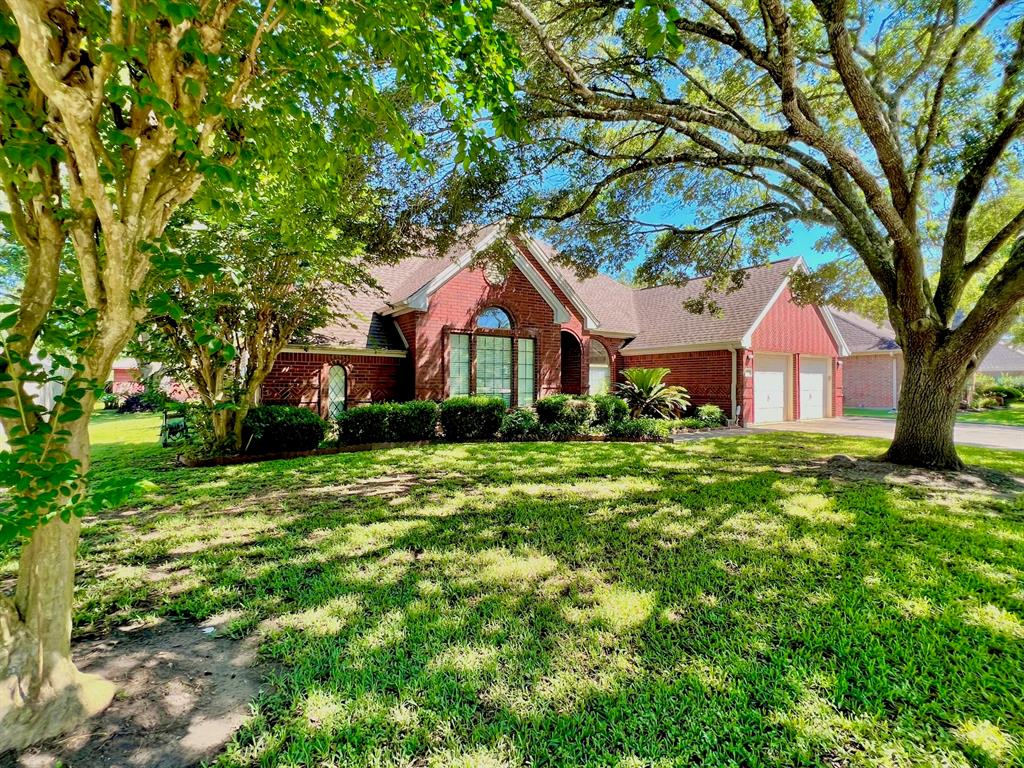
(494, 318)
(337, 385)
(600, 368)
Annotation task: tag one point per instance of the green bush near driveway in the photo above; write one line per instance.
(639, 429)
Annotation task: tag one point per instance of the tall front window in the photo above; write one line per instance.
(459, 375)
(600, 368)
(336, 389)
(494, 366)
(492, 360)
(525, 374)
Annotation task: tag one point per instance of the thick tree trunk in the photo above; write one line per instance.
(929, 399)
(41, 692)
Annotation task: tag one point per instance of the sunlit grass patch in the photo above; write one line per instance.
(733, 601)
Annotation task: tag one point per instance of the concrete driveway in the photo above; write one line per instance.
(982, 435)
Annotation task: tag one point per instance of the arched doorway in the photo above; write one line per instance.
(600, 369)
(572, 369)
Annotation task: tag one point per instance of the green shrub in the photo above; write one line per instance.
(984, 402)
(520, 425)
(609, 408)
(472, 418)
(559, 431)
(282, 428)
(549, 409)
(635, 429)
(151, 398)
(110, 401)
(565, 409)
(365, 424)
(1008, 393)
(710, 415)
(414, 420)
(687, 422)
(647, 394)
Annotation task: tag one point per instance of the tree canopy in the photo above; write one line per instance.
(886, 124)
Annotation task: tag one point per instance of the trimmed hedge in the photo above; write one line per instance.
(565, 409)
(282, 428)
(415, 420)
(609, 408)
(472, 418)
(634, 429)
(388, 422)
(364, 424)
(520, 425)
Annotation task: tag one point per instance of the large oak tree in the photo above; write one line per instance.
(887, 124)
(112, 114)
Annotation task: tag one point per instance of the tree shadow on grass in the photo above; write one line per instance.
(570, 605)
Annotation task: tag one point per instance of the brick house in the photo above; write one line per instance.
(517, 325)
(873, 371)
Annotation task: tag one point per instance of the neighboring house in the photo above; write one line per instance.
(125, 377)
(873, 372)
(469, 323)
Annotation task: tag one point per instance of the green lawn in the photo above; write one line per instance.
(1011, 416)
(733, 601)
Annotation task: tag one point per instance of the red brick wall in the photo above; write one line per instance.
(707, 375)
(300, 378)
(868, 380)
(792, 328)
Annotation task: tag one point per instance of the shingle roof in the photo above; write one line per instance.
(359, 324)
(1003, 359)
(665, 322)
(655, 317)
(863, 335)
(611, 302)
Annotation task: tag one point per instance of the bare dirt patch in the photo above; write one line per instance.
(182, 692)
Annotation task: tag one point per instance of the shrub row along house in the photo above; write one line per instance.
(497, 316)
(873, 373)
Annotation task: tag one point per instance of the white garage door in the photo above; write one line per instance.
(813, 387)
(770, 388)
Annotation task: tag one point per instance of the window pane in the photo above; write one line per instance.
(492, 317)
(600, 368)
(494, 366)
(335, 391)
(458, 375)
(525, 373)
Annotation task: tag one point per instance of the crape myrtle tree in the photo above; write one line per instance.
(886, 123)
(112, 114)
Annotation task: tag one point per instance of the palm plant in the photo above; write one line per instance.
(646, 394)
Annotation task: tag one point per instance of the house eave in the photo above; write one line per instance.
(330, 349)
(671, 349)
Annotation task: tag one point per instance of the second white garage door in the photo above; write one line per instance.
(813, 387)
(770, 378)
